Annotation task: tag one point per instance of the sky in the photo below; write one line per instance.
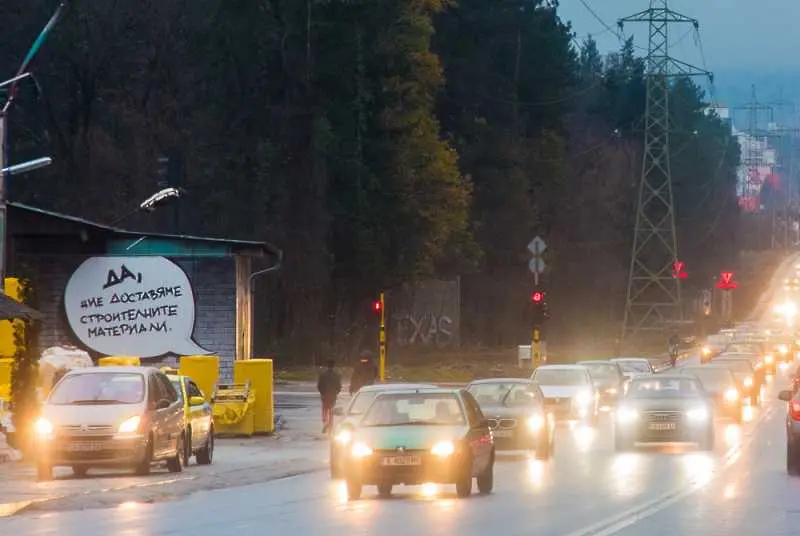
(736, 35)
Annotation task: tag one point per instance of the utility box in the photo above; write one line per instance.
(5, 378)
(203, 370)
(259, 373)
(119, 361)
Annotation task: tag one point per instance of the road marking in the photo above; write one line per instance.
(615, 524)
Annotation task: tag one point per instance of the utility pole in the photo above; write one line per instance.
(783, 203)
(654, 295)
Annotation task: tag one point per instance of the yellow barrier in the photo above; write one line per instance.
(8, 343)
(5, 378)
(233, 410)
(203, 370)
(259, 373)
(119, 361)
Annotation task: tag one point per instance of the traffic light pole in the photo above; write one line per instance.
(536, 349)
(382, 340)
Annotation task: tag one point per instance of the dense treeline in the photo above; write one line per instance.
(376, 142)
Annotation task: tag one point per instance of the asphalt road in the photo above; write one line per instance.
(588, 488)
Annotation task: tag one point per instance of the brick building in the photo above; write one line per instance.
(47, 248)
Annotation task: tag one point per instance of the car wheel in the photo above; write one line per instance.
(144, 466)
(175, 464)
(464, 482)
(187, 447)
(385, 490)
(486, 479)
(44, 472)
(353, 489)
(79, 470)
(206, 454)
(707, 441)
(792, 459)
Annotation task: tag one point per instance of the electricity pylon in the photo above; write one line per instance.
(654, 295)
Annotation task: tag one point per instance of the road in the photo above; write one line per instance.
(588, 488)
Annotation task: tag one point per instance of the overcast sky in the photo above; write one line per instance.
(761, 35)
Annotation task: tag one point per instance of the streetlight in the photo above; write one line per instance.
(156, 200)
(30, 165)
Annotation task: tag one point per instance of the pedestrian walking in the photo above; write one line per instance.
(329, 386)
(364, 373)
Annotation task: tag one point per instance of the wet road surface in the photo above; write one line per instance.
(588, 488)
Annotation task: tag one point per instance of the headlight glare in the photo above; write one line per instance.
(768, 359)
(443, 449)
(129, 426)
(343, 437)
(731, 395)
(583, 398)
(697, 414)
(626, 415)
(748, 382)
(611, 391)
(360, 450)
(535, 423)
(44, 427)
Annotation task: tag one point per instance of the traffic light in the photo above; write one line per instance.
(679, 270)
(376, 306)
(537, 296)
(539, 304)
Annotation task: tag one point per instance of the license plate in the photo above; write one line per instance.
(402, 460)
(661, 426)
(84, 447)
(502, 433)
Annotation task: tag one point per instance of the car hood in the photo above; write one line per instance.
(409, 437)
(97, 415)
(664, 404)
(563, 391)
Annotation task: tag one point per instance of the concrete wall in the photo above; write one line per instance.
(214, 286)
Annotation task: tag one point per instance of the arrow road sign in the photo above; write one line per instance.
(537, 246)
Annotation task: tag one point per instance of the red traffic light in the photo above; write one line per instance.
(726, 282)
(376, 306)
(537, 297)
(679, 270)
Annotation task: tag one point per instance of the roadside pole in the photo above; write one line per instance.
(537, 265)
(382, 339)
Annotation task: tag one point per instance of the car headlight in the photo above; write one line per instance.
(783, 349)
(535, 423)
(748, 382)
(583, 398)
(731, 395)
(343, 437)
(129, 426)
(697, 414)
(611, 391)
(626, 415)
(43, 427)
(360, 450)
(768, 359)
(443, 449)
(706, 351)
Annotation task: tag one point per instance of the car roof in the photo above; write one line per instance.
(125, 369)
(671, 376)
(428, 391)
(561, 367)
(501, 380)
(594, 362)
(398, 386)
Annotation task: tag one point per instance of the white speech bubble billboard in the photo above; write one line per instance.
(138, 306)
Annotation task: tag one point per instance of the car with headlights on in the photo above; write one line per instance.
(792, 431)
(349, 416)
(747, 376)
(634, 367)
(608, 379)
(665, 408)
(515, 410)
(414, 437)
(721, 385)
(110, 417)
(569, 393)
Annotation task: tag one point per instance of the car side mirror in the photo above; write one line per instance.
(338, 411)
(786, 396)
(197, 401)
(163, 404)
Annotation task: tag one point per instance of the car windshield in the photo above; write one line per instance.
(739, 366)
(414, 409)
(601, 371)
(502, 393)
(361, 402)
(655, 387)
(634, 366)
(575, 376)
(711, 378)
(99, 388)
(177, 385)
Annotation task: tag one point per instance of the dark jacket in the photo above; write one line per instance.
(363, 374)
(329, 385)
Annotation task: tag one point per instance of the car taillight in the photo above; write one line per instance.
(794, 410)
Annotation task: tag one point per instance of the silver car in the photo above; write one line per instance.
(120, 417)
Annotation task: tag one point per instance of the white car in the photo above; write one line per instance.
(568, 392)
(634, 367)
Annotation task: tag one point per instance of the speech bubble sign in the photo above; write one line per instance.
(142, 306)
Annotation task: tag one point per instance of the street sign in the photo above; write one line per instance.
(537, 246)
(726, 282)
(679, 270)
(536, 265)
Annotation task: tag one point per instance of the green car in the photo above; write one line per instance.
(415, 437)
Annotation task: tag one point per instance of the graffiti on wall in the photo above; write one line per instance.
(426, 314)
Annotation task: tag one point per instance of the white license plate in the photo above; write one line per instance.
(402, 460)
(502, 433)
(661, 426)
(84, 447)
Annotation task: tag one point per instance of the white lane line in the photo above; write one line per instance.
(615, 524)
